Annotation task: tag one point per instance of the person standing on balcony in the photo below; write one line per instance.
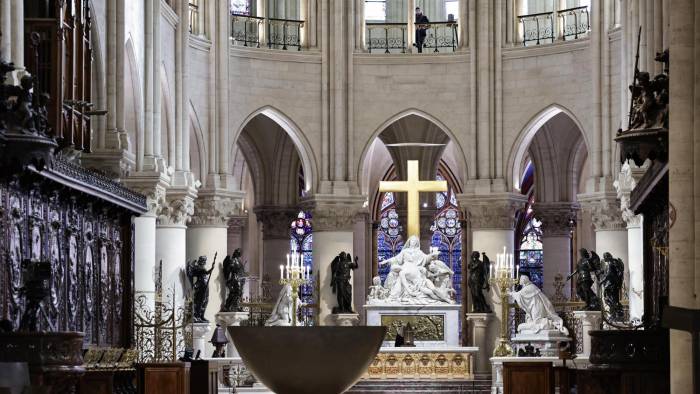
(421, 27)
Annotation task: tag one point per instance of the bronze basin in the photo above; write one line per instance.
(319, 360)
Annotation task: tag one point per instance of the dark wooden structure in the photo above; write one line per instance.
(58, 53)
(528, 378)
(163, 378)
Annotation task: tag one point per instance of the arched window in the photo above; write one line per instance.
(302, 242)
(530, 254)
(389, 240)
(447, 234)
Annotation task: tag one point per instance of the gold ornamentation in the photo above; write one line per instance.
(413, 186)
(416, 365)
(425, 327)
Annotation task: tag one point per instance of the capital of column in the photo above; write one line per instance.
(154, 186)
(236, 223)
(557, 217)
(492, 212)
(275, 221)
(213, 208)
(330, 213)
(604, 210)
(178, 208)
(480, 320)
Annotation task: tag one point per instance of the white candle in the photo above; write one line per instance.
(517, 271)
(281, 272)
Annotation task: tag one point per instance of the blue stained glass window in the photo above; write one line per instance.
(302, 242)
(530, 255)
(389, 240)
(447, 234)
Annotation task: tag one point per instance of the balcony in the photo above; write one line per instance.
(548, 27)
(383, 37)
(253, 31)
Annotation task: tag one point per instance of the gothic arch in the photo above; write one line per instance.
(198, 160)
(133, 105)
(459, 156)
(294, 132)
(518, 151)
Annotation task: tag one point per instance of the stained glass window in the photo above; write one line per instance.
(447, 234)
(389, 240)
(302, 242)
(530, 253)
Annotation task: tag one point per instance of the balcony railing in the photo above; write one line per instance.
(440, 35)
(391, 37)
(280, 33)
(547, 27)
(575, 22)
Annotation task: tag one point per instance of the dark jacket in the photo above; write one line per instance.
(422, 19)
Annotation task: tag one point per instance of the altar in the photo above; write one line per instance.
(434, 325)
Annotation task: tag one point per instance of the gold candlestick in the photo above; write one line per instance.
(504, 278)
(296, 277)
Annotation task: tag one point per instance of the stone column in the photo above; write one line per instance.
(275, 222)
(610, 229)
(236, 238)
(333, 233)
(207, 235)
(18, 34)
(479, 323)
(6, 28)
(171, 238)
(492, 221)
(557, 221)
(590, 320)
(630, 173)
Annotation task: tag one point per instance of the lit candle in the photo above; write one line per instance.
(517, 271)
(281, 271)
(287, 258)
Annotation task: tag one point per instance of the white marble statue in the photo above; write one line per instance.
(539, 311)
(415, 278)
(282, 312)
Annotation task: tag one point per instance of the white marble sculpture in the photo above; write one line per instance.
(415, 278)
(539, 311)
(282, 312)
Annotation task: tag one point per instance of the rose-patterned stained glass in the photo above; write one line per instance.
(302, 242)
(447, 234)
(389, 239)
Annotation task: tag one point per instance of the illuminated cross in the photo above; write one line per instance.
(413, 186)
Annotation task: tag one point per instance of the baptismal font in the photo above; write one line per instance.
(504, 276)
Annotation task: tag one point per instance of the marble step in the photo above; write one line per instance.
(414, 386)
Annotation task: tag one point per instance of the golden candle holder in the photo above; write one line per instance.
(294, 274)
(504, 276)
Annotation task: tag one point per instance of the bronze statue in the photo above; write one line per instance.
(234, 277)
(341, 267)
(478, 281)
(612, 284)
(198, 277)
(585, 269)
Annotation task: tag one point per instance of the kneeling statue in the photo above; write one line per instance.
(539, 311)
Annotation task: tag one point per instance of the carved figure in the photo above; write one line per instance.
(234, 277)
(650, 98)
(341, 268)
(377, 292)
(478, 282)
(612, 284)
(539, 311)
(198, 276)
(585, 269)
(282, 312)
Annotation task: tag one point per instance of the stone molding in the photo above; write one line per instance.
(492, 212)
(275, 221)
(335, 214)
(237, 222)
(178, 208)
(604, 209)
(214, 208)
(627, 179)
(557, 218)
(154, 186)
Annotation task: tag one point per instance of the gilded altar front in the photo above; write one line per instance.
(422, 363)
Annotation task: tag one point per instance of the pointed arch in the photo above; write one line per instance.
(303, 147)
(200, 169)
(133, 104)
(521, 144)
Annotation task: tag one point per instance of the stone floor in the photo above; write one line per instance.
(480, 385)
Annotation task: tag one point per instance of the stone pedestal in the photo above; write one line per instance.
(226, 319)
(497, 368)
(590, 320)
(479, 323)
(200, 336)
(444, 317)
(345, 319)
(547, 341)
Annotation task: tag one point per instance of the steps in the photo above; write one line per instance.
(480, 385)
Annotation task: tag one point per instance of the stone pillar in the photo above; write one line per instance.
(236, 238)
(207, 235)
(590, 320)
(18, 34)
(479, 323)
(6, 28)
(492, 221)
(630, 173)
(200, 337)
(171, 238)
(557, 221)
(610, 229)
(275, 223)
(333, 233)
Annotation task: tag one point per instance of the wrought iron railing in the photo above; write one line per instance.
(440, 35)
(284, 33)
(246, 29)
(537, 28)
(575, 23)
(390, 37)
(161, 332)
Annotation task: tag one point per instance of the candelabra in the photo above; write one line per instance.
(294, 274)
(504, 276)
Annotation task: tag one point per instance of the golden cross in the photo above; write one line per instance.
(413, 186)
